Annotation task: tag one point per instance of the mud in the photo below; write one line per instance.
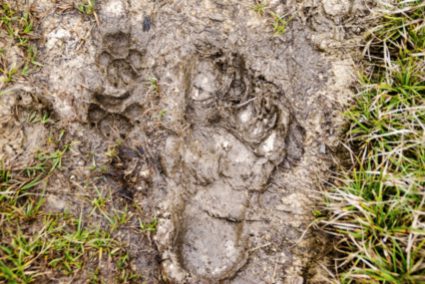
(225, 131)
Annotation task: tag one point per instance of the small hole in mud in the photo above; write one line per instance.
(221, 66)
(95, 113)
(125, 193)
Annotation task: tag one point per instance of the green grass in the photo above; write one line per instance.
(154, 85)
(86, 7)
(377, 208)
(279, 24)
(149, 227)
(18, 26)
(260, 8)
(37, 246)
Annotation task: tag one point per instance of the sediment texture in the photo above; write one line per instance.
(225, 129)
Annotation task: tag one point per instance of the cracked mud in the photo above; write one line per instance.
(226, 128)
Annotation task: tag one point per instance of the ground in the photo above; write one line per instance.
(193, 137)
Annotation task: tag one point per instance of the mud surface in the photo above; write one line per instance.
(223, 129)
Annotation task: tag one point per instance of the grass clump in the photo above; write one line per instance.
(278, 22)
(377, 210)
(260, 8)
(16, 29)
(87, 7)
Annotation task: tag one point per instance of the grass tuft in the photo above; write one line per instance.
(377, 210)
(17, 26)
(279, 24)
(260, 8)
(87, 7)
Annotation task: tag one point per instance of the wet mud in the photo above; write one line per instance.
(224, 130)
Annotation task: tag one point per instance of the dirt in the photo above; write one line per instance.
(224, 131)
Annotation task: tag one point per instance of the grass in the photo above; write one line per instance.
(38, 246)
(87, 7)
(149, 227)
(18, 26)
(376, 210)
(260, 8)
(154, 85)
(278, 22)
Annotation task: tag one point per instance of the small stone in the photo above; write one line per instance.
(322, 149)
(336, 7)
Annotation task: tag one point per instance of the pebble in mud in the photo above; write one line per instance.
(336, 7)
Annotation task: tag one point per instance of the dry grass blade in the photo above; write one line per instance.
(377, 212)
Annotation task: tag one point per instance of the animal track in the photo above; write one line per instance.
(231, 136)
(112, 110)
(241, 129)
(199, 115)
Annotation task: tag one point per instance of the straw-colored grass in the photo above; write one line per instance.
(377, 210)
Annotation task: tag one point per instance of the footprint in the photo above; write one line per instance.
(241, 130)
(113, 110)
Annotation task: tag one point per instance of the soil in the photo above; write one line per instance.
(224, 131)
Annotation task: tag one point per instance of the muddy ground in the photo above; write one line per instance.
(196, 115)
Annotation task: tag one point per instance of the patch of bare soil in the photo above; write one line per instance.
(195, 114)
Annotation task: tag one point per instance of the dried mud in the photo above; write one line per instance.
(224, 131)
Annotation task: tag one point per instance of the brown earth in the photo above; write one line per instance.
(220, 130)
